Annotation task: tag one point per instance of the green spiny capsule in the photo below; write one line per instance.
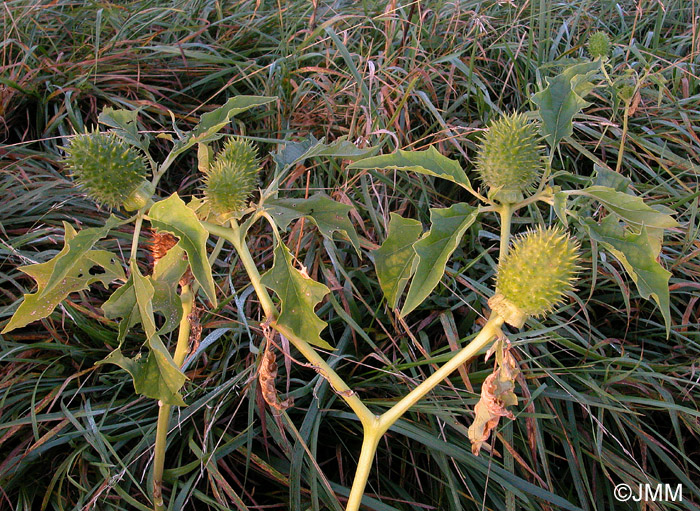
(106, 167)
(534, 276)
(232, 177)
(509, 158)
(599, 45)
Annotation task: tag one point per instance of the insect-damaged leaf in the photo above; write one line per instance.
(299, 295)
(394, 259)
(172, 215)
(328, 215)
(71, 270)
(435, 248)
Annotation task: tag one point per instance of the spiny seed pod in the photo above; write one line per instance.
(533, 277)
(599, 45)
(232, 176)
(509, 159)
(106, 167)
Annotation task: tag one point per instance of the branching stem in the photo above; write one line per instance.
(373, 426)
(374, 432)
(233, 235)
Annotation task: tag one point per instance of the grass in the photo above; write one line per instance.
(605, 397)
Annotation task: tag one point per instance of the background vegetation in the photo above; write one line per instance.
(605, 397)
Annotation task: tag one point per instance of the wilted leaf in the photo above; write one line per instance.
(173, 215)
(328, 215)
(299, 295)
(638, 255)
(394, 259)
(429, 162)
(435, 248)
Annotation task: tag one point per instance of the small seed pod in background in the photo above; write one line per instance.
(509, 158)
(533, 277)
(231, 177)
(107, 168)
(599, 45)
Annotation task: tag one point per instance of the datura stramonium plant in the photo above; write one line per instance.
(232, 177)
(535, 274)
(509, 159)
(111, 172)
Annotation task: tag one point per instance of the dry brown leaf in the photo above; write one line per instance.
(267, 376)
(496, 394)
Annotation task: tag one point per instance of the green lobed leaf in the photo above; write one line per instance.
(172, 266)
(630, 207)
(297, 152)
(122, 304)
(328, 215)
(167, 272)
(558, 103)
(299, 295)
(429, 162)
(394, 259)
(125, 125)
(559, 205)
(76, 245)
(71, 270)
(172, 215)
(148, 376)
(155, 376)
(581, 75)
(611, 179)
(435, 248)
(211, 122)
(638, 255)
